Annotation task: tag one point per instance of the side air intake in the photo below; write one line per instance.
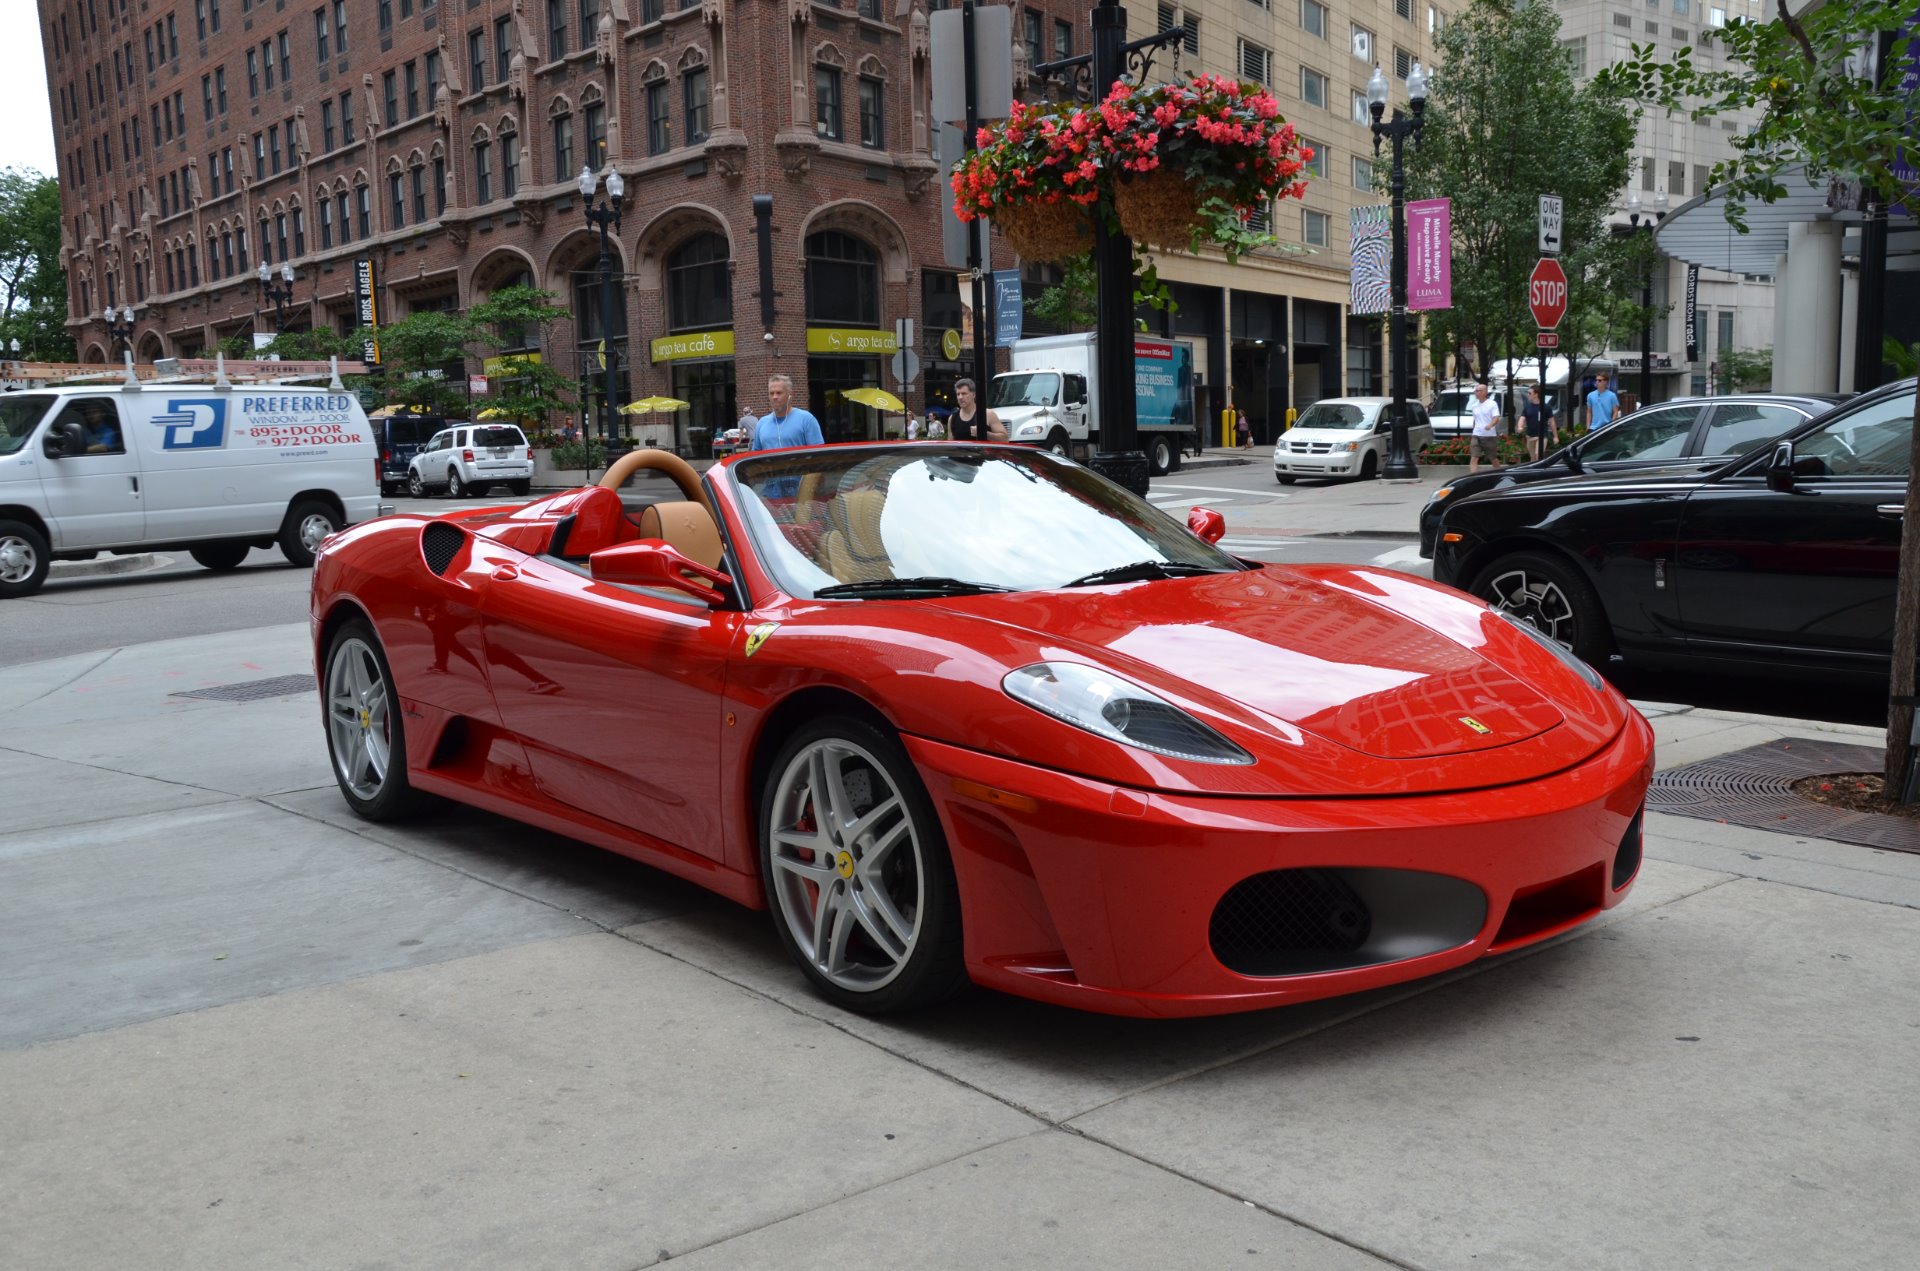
(439, 544)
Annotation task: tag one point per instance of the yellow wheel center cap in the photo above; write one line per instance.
(366, 719)
(844, 864)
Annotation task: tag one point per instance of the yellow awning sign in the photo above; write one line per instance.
(673, 348)
(851, 340)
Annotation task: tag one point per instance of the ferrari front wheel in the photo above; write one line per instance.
(366, 737)
(857, 872)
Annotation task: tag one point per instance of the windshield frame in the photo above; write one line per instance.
(762, 530)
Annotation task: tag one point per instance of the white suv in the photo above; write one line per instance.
(1345, 437)
(467, 458)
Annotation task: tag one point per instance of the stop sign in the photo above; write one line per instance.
(1547, 293)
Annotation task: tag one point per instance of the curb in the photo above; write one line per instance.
(133, 563)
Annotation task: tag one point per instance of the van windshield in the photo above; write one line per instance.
(19, 412)
(1335, 415)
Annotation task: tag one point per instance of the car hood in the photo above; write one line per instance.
(1337, 681)
(1681, 473)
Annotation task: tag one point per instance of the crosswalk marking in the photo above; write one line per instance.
(1409, 555)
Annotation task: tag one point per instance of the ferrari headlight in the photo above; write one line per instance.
(1575, 664)
(1119, 710)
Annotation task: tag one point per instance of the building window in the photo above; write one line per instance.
(873, 119)
(477, 58)
(556, 30)
(1362, 44)
(563, 169)
(652, 10)
(280, 234)
(483, 172)
(1362, 113)
(253, 73)
(418, 176)
(699, 285)
(206, 100)
(1313, 87)
(843, 281)
(364, 201)
(659, 121)
(386, 15)
(1313, 18)
(259, 157)
(596, 121)
(1437, 21)
(413, 91)
(1362, 173)
(340, 27)
(396, 200)
(694, 94)
(326, 125)
(1316, 167)
(439, 185)
(344, 213)
(1031, 21)
(266, 62)
(870, 9)
(1575, 51)
(510, 163)
(433, 79)
(1402, 64)
(1256, 63)
(502, 48)
(219, 90)
(1062, 39)
(589, 22)
(299, 232)
(320, 35)
(390, 90)
(273, 146)
(826, 102)
(1403, 9)
(1313, 228)
(346, 118)
(326, 224)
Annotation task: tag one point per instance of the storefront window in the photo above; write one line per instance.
(708, 389)
(828, 379)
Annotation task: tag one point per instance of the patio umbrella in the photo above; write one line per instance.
(494, 412)
(879, 398)
(387, 412)
(654, 405)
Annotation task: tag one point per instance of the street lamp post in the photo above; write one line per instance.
(605, 215)
(279, 296)
(120, 330)
(1398, 129)
(1652, 214)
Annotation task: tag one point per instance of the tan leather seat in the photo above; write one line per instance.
(853, 548)
(687, 528)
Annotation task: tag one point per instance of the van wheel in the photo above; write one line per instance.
(366, 735)
(221, 556)
(1370, 466)
(455, 486)
(1283, 479)
(520, 487)
(24, 559)
(1159, 456)
(306, 525)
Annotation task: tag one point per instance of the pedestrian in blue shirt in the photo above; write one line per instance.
(787, 424)
(1602, 403)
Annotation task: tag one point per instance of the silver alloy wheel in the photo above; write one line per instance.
(849, 875)
(1537, 601)
(357, 706)
(314, 528)
(18, 559)
(415, 486)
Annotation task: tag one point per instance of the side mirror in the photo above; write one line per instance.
(65, 440)
(1207, 524)
(1780, 468)
(648, 564)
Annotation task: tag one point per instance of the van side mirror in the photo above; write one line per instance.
(649, 564)
(65, 440)
(1780, 468)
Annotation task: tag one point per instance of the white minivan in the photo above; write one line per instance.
(212, 470)
(1345, 437)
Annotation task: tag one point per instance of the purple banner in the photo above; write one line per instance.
(1429, 254)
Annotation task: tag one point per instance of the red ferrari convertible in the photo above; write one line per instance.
(962, 712)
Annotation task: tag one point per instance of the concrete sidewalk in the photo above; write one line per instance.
(242, 1029)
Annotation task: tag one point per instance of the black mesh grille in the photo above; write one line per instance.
(440, 543)
(1626, 862)
(1275, 917)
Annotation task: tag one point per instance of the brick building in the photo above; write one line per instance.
(442, 140)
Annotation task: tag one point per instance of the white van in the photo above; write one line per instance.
(213, 471)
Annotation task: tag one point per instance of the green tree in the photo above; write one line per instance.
(33, 287)
(417, 353)
(1506, 123)
(1745, 370)
(534, 391)
(316, 345)
(1069, 305)
(1830, 111)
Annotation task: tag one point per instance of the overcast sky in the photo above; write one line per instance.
(26, 120)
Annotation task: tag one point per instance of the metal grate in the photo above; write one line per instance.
(440, 543)
(253, 690)
(1751, 787)
(1286, 911)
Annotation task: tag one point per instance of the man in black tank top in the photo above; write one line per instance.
(971, 421)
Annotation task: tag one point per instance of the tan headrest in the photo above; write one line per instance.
(686, 527)
(857, 514)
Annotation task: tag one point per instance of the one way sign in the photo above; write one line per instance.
(1550, 224)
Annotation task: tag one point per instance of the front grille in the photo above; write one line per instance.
(439, 544)
(1276, 917)
(1311, 447)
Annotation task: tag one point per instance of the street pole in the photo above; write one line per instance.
(976, 247)
(606, 215)
(1399, 463)
(1118, 456)
(1652, 218)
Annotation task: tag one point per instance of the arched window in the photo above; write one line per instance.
(699, 286)
(843, 281)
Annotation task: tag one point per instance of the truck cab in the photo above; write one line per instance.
(1042, 407)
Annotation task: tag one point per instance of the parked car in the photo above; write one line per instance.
(1709, 429)
(1785, 559)
(399, 438)
(1076, 753)
(467, 458)
(1344, 437)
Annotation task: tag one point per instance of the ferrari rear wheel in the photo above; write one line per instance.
(857, 872)
(366, 737)
(1551, 598)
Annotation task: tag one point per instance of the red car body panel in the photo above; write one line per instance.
(1394, 723)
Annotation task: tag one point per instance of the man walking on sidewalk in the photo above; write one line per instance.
(1486, 429)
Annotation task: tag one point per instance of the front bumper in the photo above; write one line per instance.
(1110, 899)
(1341, 465)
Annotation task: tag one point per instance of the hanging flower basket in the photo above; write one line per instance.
(1045, 231)
(1160, 208)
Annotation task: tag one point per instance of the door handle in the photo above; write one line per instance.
(1895, 511)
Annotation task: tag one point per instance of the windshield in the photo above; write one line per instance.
(1026, 388)
(1016, 519)
(18, 414)
(1453, 403)
(1335, 415)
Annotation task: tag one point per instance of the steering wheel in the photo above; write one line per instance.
(665, 461)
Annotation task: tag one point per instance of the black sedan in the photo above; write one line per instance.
(1784, 559)
(1705, 430)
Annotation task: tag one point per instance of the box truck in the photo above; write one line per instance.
(1051, 397)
